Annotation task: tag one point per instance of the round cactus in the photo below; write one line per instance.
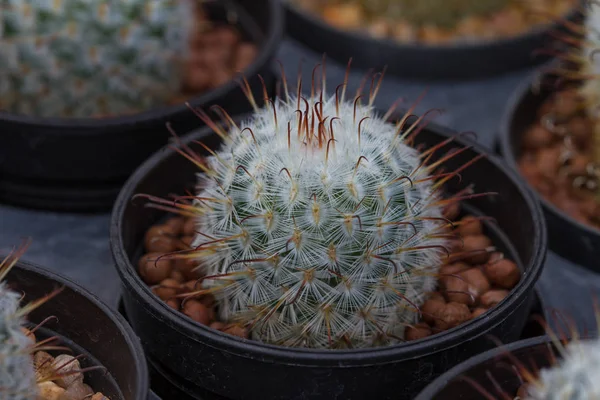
(573, 377)
(17, 374)
(318, 224)
(81, 58)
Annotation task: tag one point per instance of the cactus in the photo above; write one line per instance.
(82, 58)
(318, 225)
(573, 377)
(17, 374)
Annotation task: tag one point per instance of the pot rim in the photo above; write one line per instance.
(273, 35)
(441, 381)
(393, 44)
(132, 340)
(307, 356)
(513, 104)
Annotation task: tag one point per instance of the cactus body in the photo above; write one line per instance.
(83, 58)
(17, 375)
(318, 234)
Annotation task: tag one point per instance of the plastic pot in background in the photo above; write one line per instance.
(466, 61)
(232, 367)
(567, 237)
(86, 326)
(80, 164)
(494, 362)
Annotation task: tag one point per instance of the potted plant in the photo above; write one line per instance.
(63, 344)
(549, 134)
(557, 365)
(434, 39)
(93, 85)
(373, 280)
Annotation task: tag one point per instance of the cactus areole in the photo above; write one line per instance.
(318, 225)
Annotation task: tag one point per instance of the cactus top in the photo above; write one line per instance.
(318, 226)
(574, 378)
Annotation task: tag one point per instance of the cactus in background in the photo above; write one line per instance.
(82, 58)
(573, 377)
(17, 374)
(318, 225)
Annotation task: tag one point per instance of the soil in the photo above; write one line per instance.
(515, 19)
(474, 279)
(556, 157)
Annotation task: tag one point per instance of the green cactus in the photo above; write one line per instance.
(318, 225)
(17, 374)
(83, 58)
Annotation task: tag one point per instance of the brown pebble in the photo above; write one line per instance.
(244, 56)
(493, 297)
(478, 283)
(454, 268)
(417, 331)
(226, 36)
(477, 312)
(176, 223)
(236, 330)
(456, 289)
(220, 77)
(580, 130)
(503, 273)
(160, 230)
(78, 390)
(451, 315)
(217, 325)
(547, 161)
(99, 396)
(174, 303)
(429, 309)
(188, 268)
(578, 165)
(177, 275)
(565, 104)
(451, 211)
(196, 78)
(161, 244)
(197, 311)
(537, 137)
(470, 225)
(152, 269)
(477, 245)
(189, 228)
(166, 289)
(187, 241)
(191, 286)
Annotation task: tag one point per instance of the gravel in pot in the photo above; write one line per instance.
(431, 39)
(486, 279)
(550, 134)
(69, 346)
(107, 127)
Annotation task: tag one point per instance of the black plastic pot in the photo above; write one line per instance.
(167, 386)
(86, 326)
(243, 369)
(81, 164)
(535, 351)
(418, 61)
(567, 237)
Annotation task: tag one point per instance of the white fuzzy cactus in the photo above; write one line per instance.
(84, 58)
(574, 377)
(17, 374)
(319, 226)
